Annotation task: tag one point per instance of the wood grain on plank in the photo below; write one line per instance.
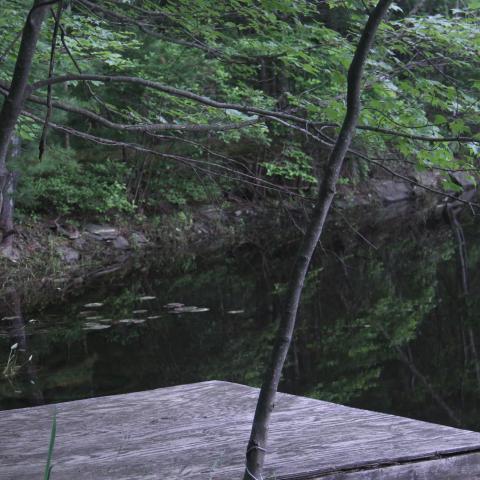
(459, 467)
(200, 431)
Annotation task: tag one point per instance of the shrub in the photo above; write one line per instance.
(62, 184)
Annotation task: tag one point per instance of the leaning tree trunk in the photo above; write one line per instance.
(256, 448)
(11, 110)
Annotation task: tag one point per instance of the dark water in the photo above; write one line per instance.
(394, 328)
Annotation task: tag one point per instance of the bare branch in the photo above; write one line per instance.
(176, 92)
(204, 100)
(51, 68)
(423, 138)
(147, 127)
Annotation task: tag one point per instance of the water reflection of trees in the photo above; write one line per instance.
(389, 329)
(397, 337)
(18, 372)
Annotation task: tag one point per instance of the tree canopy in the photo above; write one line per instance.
(245, 90)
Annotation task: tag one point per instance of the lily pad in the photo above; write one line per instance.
(132, 321)
(93, 305)
(190, 310)
(95, 326)
(174, 305)
(147, 298)
(154, 317)
(137, 312)
(235, 312)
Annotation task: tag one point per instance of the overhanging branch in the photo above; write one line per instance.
(204, 100)
(146, 127)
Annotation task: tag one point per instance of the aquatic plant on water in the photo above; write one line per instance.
(12, 368)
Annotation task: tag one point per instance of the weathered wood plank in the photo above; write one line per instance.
(200, 431)
(459, 467)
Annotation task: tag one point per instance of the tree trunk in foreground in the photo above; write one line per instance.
(256, 448)
(11, 109)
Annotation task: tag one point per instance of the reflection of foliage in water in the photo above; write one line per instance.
(390, 333)
(386, 330)
(374, 312)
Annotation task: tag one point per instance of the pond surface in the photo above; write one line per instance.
(392, 327)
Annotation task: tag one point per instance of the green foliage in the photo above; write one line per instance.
(294, 164)
(422, 78)
(179, 187)
(62, 184)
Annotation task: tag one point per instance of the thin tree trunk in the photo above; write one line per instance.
(256, 449)
(474, 355)
(13, 105)
(7, 190)
(51, 69)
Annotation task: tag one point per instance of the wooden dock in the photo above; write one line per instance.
(200, 431)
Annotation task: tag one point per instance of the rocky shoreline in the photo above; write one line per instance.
(53, 256)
